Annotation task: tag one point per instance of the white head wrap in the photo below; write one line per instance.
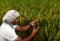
(11, 15)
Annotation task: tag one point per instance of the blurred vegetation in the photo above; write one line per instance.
(47, 11)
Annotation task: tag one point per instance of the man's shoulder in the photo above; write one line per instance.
(4, 25)
(5, 28)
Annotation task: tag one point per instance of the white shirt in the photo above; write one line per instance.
(7, 33)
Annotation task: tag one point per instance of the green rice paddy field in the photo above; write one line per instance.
(47, 12)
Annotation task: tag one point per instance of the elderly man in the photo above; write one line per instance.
(8, 27)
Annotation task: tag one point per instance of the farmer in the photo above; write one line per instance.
(8, 27)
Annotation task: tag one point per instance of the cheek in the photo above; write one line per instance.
(17, 20)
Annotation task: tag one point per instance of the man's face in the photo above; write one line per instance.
(15, 21)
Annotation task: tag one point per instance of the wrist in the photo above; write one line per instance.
(31, 25)
(32, 34)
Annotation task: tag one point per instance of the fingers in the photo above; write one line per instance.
(36, 28)
(36, 19)
(34, 22)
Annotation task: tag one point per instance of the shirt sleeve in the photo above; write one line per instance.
(14, 26)
(8, 33)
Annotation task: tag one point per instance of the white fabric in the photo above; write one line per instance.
(7, 33)
(14, 26)
(11, 15)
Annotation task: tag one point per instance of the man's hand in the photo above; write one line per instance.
(35, 30)
(34, 22)
(30, 37)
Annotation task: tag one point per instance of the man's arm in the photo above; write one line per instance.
(30, 37)
(24, 28)
(26, 39)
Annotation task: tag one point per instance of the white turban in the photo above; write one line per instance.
(11, 15)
